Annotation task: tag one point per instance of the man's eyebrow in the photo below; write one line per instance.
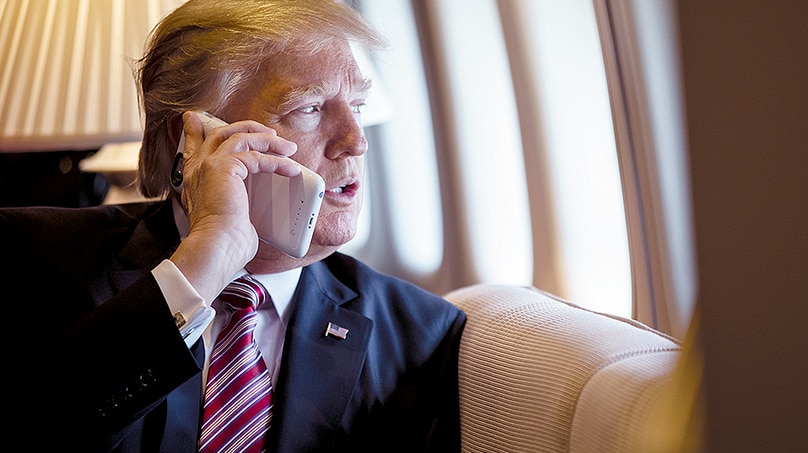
(295, 95)
(362, 86)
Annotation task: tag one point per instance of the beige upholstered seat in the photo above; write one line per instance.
(538, 374)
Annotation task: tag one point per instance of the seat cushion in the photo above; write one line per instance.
(527, 356)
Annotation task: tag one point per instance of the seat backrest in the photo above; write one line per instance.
(539, 374)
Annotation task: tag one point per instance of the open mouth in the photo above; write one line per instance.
(345, 189)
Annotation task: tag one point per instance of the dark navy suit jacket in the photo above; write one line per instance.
(103, 367)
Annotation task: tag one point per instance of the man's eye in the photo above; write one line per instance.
(357, 108)
(310, 109)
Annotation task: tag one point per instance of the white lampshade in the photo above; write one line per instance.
(66, 81)
(65, 77)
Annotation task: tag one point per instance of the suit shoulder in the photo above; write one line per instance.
(69, 235)
(361, 277)
(40, 217)
(389, 292)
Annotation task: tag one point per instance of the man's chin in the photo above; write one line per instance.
(337, 232)
(270, 260)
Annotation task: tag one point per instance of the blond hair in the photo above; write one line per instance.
(203, 53)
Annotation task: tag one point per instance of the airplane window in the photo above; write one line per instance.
(492, 152)
(580, 146)
(640, 50)
(489, 159)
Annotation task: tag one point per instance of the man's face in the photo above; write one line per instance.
(314, 100)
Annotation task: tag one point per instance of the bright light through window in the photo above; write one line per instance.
(582, 155)
(489, 141)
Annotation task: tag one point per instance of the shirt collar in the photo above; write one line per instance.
(281, 287)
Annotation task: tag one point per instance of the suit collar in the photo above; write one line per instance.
(319, 278)
(153, 239)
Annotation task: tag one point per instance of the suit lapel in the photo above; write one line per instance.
(319, 372)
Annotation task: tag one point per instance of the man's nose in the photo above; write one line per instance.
(348, 135)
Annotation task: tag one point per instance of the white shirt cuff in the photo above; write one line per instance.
(191, 313)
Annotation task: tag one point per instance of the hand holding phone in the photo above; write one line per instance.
(283, 209)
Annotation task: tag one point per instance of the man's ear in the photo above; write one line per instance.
(175, 135)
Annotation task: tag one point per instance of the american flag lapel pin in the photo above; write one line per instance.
(336, 331)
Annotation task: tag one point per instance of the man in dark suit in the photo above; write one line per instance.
(123, 300)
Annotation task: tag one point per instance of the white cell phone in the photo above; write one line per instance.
(283, 210)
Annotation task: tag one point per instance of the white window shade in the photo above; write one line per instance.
(66, 80)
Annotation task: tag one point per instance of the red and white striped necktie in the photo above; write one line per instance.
(238, 395)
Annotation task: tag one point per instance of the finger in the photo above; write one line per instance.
(222, 133)
(283, 166)
(192, 130)
(257, 162)
(264, 142)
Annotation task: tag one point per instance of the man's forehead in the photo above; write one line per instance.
(306, 67)
(320, 74)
